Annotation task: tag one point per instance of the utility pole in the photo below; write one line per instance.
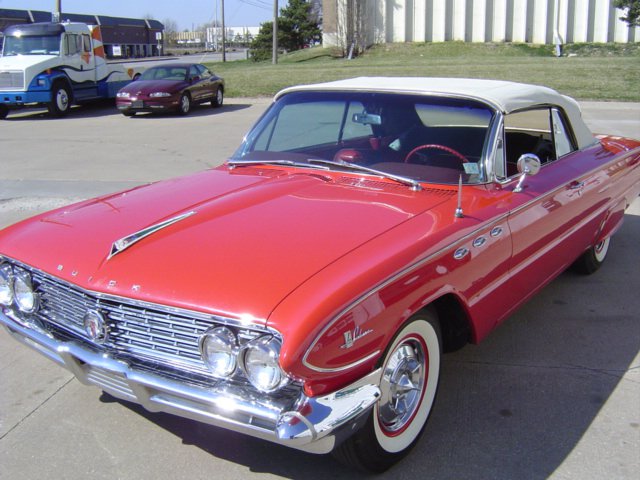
(275, 33)
(224, 46)
(57, 15)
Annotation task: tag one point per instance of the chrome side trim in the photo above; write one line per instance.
(379, 287)
(311, 424)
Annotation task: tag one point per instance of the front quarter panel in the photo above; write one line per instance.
(337, 325)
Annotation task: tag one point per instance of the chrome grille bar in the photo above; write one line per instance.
(145, 331)
(11, 79)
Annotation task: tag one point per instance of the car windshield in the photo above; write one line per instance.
(429, 139)
(165, 73)
(32, 45)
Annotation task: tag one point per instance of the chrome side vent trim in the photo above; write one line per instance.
(126, 242)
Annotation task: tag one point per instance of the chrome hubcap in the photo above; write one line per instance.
(62, 99)
(402, 386)
(185, 104)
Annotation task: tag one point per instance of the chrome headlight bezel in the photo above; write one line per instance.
(219, 351)
(260, 361)
(24, 294)
(6, 285)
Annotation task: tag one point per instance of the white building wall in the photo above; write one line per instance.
(519, 21)
(540, 21)
(420, 20)
(534, 21)
(479, 20)
(438, 18)
(499, 30)
(601, 21)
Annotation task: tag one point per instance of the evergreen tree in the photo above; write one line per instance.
(296, 29)
(633, 11)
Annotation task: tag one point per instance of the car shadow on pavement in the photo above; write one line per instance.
(196, 111)
(105, 108)
(513, 407)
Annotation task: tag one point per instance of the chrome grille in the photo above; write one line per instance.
(144, 331)
(10, 80)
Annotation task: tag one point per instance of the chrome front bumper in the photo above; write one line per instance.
(315, 424)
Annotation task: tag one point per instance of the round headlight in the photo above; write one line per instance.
(261, 364)
(6, 288)
(219, 352)
(25, 297)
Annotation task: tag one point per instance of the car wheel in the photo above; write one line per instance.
(60, 100)
(592, 259)
(4, 111)
(410, 374)
(217, 101)
(184, 107)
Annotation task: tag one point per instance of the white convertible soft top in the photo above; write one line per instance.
(503, 96)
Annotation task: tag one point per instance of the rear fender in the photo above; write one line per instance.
(612, 222)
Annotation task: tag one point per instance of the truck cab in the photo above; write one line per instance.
(57, 65)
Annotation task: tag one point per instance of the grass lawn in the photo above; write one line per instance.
(586, 72)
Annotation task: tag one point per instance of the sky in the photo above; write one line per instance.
(186, 13)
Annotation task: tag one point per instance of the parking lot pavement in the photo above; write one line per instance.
(553, 393)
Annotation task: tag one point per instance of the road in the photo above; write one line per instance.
(553, 393)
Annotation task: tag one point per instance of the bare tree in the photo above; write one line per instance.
(170, 29)
(353, 26)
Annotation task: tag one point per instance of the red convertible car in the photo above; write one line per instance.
(304, 291)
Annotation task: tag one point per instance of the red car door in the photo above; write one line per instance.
(556, 215)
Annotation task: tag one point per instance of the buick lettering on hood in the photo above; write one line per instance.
(304, 291)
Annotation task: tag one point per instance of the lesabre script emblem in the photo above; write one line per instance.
(352, 336)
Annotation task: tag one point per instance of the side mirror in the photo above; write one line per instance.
(195, 79)
(528, 164)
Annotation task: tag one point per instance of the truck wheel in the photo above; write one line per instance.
(410, 374)
(4, 111)
(60, 100)
(217, 101)
(184, 106)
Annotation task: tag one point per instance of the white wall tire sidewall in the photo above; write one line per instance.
(403, 440)
(599, 254)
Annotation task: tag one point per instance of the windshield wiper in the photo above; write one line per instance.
(414, 184)
(288, 163)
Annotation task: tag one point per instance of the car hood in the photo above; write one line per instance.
(145, 87)
(231, 242)
(22, 62)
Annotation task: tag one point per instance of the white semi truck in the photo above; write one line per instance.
(58, 65)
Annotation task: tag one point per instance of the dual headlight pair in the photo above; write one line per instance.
(152, 94)
(259, 358)
(16, 287)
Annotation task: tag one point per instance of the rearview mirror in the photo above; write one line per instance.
(367, 119)
(528, 164)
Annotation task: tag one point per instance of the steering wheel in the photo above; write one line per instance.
(435, 146)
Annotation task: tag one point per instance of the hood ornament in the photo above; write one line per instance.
(125, 242)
